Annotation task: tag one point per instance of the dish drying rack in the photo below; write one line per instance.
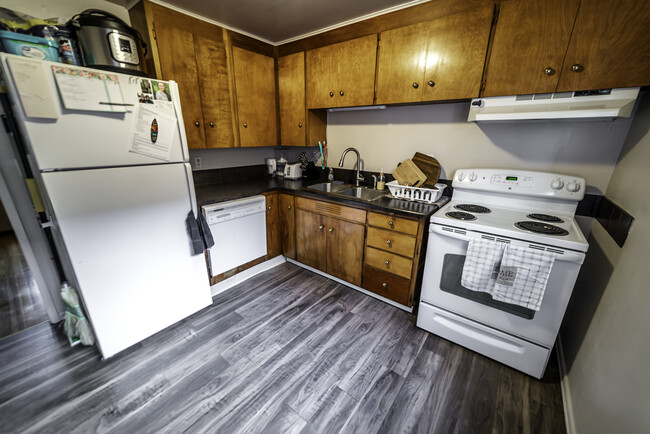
(416, 194)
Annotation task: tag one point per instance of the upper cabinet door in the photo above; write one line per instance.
(356, 71)
(178, 63)
(291, 89)
(401, 63)
(255, 88)
(529, 45)
(609, 46)
(343, 74)
(215, 92)
(456, 51)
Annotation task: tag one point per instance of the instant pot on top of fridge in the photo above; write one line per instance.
(108, 43)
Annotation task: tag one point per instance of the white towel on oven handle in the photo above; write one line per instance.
(482, 262)
(523, 276)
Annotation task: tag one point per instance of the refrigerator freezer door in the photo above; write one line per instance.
(125, 236)
(83, 139)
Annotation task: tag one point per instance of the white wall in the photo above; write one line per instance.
(605, 331)
(385, 137)
(63, 9)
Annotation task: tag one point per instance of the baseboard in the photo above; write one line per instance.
(348, 284)
(224, 285)
(566, 391)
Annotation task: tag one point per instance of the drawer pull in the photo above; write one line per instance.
(384, 285)
(389, 242)
(386, 262)
(390, 223)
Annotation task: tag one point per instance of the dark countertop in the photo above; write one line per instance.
(221, 192)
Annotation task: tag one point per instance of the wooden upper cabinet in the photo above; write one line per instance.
(291, 89)
(609, 46)
(192, 53)
(436, 60)
(530, 41)
(179, 64)
(255, 90)
(343, 74)
(215, 92)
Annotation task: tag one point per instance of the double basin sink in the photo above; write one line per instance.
(348, 190)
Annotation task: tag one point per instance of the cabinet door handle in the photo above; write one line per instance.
(384, 285)
(320, 228)
(415, 85)
(211, 124)
(431, 83)
(269, 208)
(386, 262)
(330, 230)
(389, 242)
(577, 68)
(341, 93)
(299, 124)
(549, 71)
(289, 207)
(197, 123)
(390, 223)
(245, 125)
(331, 94)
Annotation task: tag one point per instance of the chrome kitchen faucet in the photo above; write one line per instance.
(359, 177)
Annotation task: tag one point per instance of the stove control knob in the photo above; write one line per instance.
(558, 184)
(461, 176)
(573, 186)
(473, 177)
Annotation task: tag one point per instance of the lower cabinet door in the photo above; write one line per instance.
(272, 227)
(287, 225)
(345, 242)
(311, 239)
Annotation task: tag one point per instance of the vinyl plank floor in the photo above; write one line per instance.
(287, 351)
(21, 305)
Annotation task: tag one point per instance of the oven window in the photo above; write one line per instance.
(452, 272)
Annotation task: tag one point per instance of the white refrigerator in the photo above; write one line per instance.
(118, 217)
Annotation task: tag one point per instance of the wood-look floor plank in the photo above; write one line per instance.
(285, 351)
(21, 305)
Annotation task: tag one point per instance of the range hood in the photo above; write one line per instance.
(591, 104)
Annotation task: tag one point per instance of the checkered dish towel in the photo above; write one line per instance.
(523, 276)
(482, 263)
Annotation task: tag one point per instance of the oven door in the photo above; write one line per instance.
(441, 287)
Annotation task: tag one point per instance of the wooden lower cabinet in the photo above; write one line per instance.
(330, 244)
(311, 240)
(378, 252)
(345, 249)
(286, 205)
(273, 246)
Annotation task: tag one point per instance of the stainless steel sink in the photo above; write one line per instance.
(329, 187)
(363, 193)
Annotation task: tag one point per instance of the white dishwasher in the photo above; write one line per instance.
(239, 231)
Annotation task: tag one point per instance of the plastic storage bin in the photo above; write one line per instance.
(29, 46)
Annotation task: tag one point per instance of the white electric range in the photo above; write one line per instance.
(534, 210)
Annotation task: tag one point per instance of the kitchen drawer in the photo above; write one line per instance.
(389, 262)
(386, 284)
(331, 209)
(393, 223)
(391, 241)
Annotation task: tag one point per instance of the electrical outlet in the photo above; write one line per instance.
(197, 162)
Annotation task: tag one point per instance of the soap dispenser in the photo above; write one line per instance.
(381, 182)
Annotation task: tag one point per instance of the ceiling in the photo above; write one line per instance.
(280, 21)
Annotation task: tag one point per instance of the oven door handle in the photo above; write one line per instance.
(464, 235)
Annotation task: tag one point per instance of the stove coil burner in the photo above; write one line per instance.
(460, 215)
(541, 228)
(545, 218)
(479, 209)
